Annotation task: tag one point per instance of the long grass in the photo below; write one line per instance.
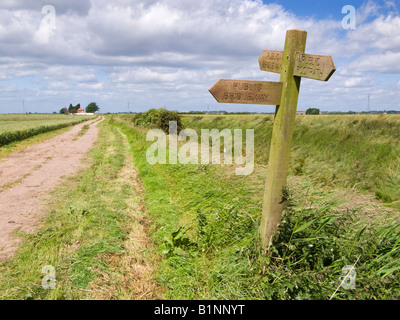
(206, 226)
(360, 151)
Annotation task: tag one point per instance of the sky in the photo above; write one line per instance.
(133, 55)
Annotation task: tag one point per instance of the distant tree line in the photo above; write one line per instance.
(313, 111)
(362, 112)
(221, 112)
(91, 108)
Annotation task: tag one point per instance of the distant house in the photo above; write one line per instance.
(301, 113)
(81, 112)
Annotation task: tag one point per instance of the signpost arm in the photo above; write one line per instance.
(282, 135)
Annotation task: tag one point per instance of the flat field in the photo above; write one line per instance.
(10, 123)
(20, 127)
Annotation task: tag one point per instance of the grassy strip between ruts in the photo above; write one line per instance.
(206, 226)
(83, 234)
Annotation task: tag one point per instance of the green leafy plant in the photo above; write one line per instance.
(178, 240)
(158, 118)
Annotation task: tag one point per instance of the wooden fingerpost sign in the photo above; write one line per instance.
(292, 64)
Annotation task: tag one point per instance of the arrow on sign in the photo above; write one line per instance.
(314, 66)
(310, 66)
(247, 92)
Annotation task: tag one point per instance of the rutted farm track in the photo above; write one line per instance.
(26, 177)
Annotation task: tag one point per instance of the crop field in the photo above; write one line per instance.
(20, 127)
(127, 229)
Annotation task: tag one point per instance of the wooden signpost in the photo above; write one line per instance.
(292, 63)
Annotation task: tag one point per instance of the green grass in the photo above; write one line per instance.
(10, 123)
(204, 220)
(206, 226)
(87, 224)
(347, 151)
(82, 132)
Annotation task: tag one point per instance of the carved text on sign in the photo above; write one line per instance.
(247, 92)
(271, 61)
(314, 66)
(311, 66)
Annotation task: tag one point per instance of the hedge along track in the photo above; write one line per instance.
(20, 135)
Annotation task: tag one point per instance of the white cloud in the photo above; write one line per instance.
(391, 6)
(380, 34)
(59, 85)
(367, 9)
(355, 82)
(73, 73)
(385, 62)
(91, 86)
(172, 51)
(80, 7)
(218, 28)
(10, 88)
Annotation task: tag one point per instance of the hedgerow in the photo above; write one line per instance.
(13, 136)
(157, 118)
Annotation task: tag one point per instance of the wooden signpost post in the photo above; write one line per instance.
(292, 64)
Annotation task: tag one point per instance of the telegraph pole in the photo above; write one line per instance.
(368, 104)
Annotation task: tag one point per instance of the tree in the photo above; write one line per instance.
(73, 109)
(92, 108)
(313, 111)
(64, 111)
(165, 116)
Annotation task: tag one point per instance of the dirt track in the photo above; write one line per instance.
(27, 177)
